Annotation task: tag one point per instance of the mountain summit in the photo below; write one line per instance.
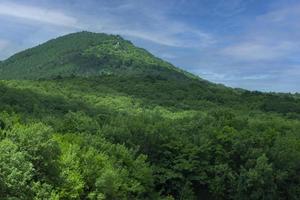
(83, 54)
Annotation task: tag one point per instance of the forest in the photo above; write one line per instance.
(103, 119)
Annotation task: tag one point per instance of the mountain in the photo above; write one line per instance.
(91, 116)
(89, 55)
(84, 54)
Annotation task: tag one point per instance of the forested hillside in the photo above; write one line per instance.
(91, 116)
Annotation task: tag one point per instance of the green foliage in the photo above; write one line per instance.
(257, 182)
(16, 171)
(102, 119)
(42, 151)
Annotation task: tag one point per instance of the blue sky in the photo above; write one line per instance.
(252, 44)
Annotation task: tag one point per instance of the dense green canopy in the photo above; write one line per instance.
(90, 116)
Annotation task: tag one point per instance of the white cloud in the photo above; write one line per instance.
(260, 51)
(34, 13)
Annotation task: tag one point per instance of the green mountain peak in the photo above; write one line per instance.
(83, 54)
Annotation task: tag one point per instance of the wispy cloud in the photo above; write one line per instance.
(271, 36)
(264, 55)
(3, 44)
(38, 14)
(224, 8)
(153, 24)
(167, 37)
(288, 14)
(260, 51)
(227, 77)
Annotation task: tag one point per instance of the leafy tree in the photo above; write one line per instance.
(257, 182)
(16, 172)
